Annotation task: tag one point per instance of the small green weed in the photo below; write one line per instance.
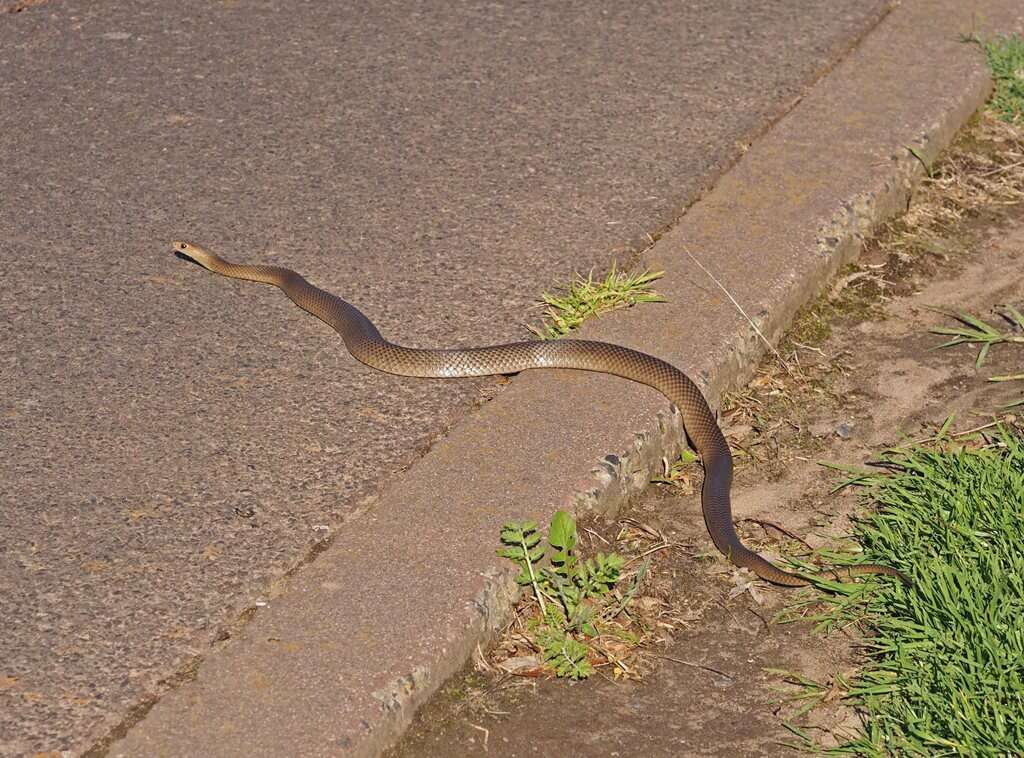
(576, 597)
(920, 157)
(589, 297)
(975, 331)
(946, 657)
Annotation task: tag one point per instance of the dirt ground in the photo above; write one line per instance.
(861, 374)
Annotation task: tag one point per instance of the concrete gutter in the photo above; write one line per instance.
(348, 647)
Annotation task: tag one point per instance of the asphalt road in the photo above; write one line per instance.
(173, 441)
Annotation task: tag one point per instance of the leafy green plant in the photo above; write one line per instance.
(588, 297)
(523, 540)
(565, 655)
(566, 590)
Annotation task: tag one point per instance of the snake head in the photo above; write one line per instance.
(181, 249)
(191, 253)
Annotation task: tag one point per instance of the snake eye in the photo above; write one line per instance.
(183, 246)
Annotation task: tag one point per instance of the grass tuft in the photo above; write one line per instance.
(589, 297)
(973, 330)
(1006, 59)
(946, 657)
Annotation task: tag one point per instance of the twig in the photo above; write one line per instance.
(692, 665)
(481, 660)
(739, 307)
(592, 533)
(655, 549)
(817, 350)
(650, 531)
(762, 523)
(1001, 169)
(487, 734)
(764, 621)
(989, 425)
(746, 450)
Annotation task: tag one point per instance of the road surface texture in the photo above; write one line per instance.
(176, 444)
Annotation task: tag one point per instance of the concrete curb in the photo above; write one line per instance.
(351, 645)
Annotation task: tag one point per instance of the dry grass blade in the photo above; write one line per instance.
(739, 308)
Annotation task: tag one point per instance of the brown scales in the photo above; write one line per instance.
(366, 345)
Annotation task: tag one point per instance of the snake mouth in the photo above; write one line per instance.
(181, 250)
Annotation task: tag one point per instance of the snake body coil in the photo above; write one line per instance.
(366, 344)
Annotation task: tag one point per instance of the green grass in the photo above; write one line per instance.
(945, 671)
(1006, 60)
(585, 298)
